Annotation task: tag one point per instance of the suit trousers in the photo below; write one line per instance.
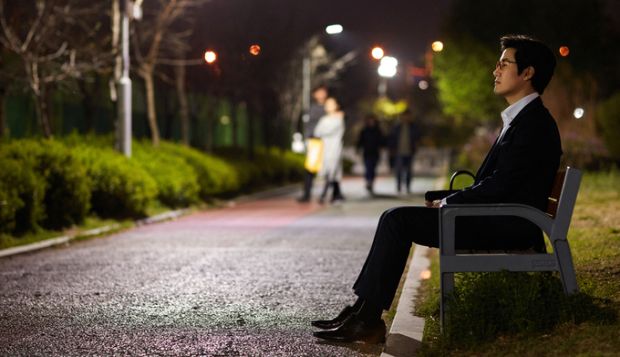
(397, 229)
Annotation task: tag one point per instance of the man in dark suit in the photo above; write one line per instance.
(519, 168)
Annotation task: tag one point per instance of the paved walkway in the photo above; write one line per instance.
(239, 281)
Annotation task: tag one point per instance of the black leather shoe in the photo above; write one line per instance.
(336, 322)
(354, 329)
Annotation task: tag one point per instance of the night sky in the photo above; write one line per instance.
(404, 27)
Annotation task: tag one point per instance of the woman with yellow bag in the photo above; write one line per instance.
(330, 130)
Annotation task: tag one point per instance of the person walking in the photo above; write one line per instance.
(402, 145)
(519, 168)
(370, 141)
(330, 130)
(317, 111)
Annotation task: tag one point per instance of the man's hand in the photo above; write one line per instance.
(433, 204)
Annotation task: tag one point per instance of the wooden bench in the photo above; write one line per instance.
(555, 223)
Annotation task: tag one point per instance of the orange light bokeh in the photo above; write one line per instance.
(437, 46)
(564, 51)
(210, 56)
(255, 50)
(377, 53)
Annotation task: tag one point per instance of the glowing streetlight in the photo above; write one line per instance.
(564, 51)
(579, 113)
(210, 56)
(377, 53)
(387, 67)
(334, 29)
(437, 46)
(255, 50)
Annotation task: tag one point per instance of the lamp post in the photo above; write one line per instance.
(128, 10)
(124, 83)
(307, 70)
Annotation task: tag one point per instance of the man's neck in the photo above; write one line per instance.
(512, 99)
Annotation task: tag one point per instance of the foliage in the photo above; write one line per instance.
(266, 166)
(215, 176)
(608, 116)
(21, 197)
(121, 188)
(67, 187)
(462, 72)
(513, 313)
(176, 180)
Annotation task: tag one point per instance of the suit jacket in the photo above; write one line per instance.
(520, 168)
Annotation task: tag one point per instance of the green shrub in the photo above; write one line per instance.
(295, 164)
(215, 176)
(67, 187)
(177, 181)
(21, 197)
(120, 187)
(265, 167)
(608, 116)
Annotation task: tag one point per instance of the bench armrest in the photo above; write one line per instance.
(448, 214)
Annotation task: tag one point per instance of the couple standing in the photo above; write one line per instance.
(326, 122)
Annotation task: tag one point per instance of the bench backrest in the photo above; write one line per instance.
(556, 190)
(563, 198)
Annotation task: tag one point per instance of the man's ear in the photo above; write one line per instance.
(528, 73)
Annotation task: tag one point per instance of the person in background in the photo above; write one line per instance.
(319, 94)
(402, 144)
(370, 141)
(330, 130)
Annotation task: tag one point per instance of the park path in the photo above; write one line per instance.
(244, 280)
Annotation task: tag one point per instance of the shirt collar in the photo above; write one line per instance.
(513, 110)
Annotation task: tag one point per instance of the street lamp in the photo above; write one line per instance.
(307, 70)
(210, 56)
(128, 10)
(333, 29)
(387, 69)
(377, 53)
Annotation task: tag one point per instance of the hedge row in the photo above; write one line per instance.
(56, 184)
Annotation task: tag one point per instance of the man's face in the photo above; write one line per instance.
(508, 83)
(320, 94)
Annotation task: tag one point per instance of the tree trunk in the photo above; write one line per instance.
(40, 102)
(3, 127)
(234, 123)
(88, 103)
(150, 106)
(250, 133)
(183, 106)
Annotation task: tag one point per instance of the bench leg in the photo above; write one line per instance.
(447, 287)
(565, 262)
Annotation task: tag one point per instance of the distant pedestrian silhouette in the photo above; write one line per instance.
(402, 144)
(370, 141)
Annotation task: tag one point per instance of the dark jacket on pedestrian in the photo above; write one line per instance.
(394, 138)
(370, 141)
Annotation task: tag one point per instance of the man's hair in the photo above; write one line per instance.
(532, 52)
(320, 87)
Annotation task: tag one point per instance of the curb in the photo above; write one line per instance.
(27, 248)
(170, 215)
(407, 330)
